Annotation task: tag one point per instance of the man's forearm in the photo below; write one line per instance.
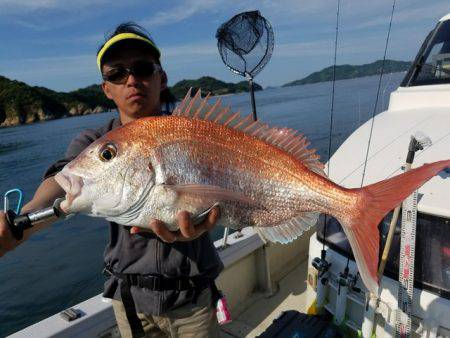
(44, 197)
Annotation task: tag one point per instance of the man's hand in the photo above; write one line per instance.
(44, 197)
(7, 241)
(187, 232)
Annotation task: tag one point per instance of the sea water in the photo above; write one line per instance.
(61, 266)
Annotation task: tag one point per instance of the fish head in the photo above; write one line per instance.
(109, 178)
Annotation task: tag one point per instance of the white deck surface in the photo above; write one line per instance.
(259, 312)
(391, 135)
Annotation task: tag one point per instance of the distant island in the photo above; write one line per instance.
(22, 104)
(212, 85)
(351, 71)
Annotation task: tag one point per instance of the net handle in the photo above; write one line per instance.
(252, 95)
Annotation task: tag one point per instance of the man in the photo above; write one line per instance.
(161, 282)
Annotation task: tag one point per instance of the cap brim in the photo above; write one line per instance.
(125, 37)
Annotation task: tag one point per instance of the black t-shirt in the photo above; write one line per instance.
(145, 253)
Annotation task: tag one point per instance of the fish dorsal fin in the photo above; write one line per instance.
(288, 231)
(283, 138)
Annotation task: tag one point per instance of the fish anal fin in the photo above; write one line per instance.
(289, 230)
(283, 138)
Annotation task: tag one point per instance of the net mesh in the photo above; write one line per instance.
(245, 43)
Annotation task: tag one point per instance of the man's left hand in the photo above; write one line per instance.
(187, 232)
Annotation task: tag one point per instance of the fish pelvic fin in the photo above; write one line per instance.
(373, 203)
(210, 192)
(285, 139)
(286, 232)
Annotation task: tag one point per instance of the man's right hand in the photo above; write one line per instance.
(44, 197)
(7, 241)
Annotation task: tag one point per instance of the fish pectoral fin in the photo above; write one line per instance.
(211, 192)
(289, 230)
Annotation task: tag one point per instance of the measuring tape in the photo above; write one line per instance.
(406, 271)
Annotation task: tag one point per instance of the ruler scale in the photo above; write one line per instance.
(406, 271)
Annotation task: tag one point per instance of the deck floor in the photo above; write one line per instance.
(259, 312)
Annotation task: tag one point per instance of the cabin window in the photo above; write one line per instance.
(432, 260)
(432, 65)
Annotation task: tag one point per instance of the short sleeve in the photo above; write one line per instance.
(76, 146)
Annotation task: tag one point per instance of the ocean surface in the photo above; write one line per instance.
(61, 266)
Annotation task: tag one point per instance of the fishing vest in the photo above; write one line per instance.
(144, 254)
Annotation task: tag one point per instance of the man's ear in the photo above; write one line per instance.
(163, 80)
(106, 90)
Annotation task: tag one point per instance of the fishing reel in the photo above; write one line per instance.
(346, 279)
(321, 265)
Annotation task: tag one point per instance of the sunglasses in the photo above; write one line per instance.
(140, 69)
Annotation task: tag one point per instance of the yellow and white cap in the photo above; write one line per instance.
(125, 36)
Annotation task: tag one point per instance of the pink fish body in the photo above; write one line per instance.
(262, 177)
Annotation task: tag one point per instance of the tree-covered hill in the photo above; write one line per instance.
(350, 72)
(212, 85)
(21, 103)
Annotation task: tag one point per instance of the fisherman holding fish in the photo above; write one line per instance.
(161, 282)
(154, 167)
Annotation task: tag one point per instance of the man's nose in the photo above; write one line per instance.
(131, 80)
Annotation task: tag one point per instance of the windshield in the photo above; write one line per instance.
(432, 260)
(432, 64)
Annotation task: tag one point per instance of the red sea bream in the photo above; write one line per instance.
(262, 177)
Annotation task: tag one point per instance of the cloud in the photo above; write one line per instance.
(45, 15)
(304, 33)
(27, 4)
(196, 49)
(33, 69)
(18, 6)
(181, 12)
(432, 12)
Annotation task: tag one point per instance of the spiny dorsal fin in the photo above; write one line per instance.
(283, 138)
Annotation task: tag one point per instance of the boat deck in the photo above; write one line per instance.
(258, 312)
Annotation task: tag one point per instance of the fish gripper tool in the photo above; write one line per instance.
(19, 223)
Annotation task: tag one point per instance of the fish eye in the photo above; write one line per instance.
(108, 152)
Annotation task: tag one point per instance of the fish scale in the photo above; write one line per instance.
(206, 165)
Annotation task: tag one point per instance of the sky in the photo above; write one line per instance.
(53, 43)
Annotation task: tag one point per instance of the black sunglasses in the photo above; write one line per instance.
(140, 69)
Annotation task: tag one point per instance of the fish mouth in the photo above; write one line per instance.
(72, 185)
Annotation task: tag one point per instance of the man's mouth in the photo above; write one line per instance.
(135, 96)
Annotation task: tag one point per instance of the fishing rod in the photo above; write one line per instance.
(346, 281)
(372, 300)
(320, 263)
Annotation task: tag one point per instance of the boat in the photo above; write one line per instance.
(420, 104)
(265, 282)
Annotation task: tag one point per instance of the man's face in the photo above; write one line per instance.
(136, 97)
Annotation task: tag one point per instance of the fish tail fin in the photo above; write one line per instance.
(373, 203)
